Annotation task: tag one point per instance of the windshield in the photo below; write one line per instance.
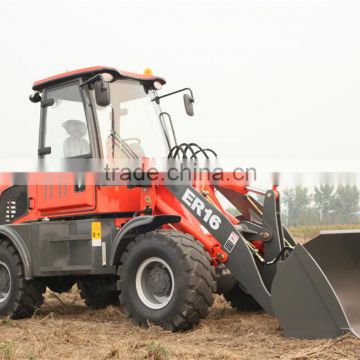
(130, 126)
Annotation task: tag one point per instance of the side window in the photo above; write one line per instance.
(66, 129)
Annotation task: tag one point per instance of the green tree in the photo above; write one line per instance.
(346, 203)
(324, 197)
(297, 201)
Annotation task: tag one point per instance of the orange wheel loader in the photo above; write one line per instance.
(159, 249)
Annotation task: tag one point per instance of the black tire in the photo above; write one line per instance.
(60, 284)
(192, 281)
(22, 297)
(240, 300)
(99, 292)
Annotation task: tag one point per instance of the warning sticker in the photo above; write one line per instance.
(231, 242)
(96, 233)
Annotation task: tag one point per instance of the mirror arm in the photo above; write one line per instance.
(157, 98)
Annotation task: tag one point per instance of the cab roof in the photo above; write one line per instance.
(92, 71)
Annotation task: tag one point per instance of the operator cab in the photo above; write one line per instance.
(102, 112)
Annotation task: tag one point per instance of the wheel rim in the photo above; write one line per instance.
(5, 282)
(155, 283)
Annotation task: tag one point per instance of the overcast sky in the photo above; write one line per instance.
(272, 79)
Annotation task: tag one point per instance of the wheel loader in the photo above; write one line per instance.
(159, 249)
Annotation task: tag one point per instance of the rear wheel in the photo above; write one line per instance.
(241, 300)
(18, 297)
(166, 278)
(99, 291)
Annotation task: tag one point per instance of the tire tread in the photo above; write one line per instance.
(30, 292)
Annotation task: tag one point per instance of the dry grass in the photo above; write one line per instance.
(65, 329)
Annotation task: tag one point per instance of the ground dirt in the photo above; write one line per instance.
(64, 328)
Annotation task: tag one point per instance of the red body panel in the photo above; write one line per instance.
(47, 198)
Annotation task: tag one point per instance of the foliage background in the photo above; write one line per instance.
(322, 205)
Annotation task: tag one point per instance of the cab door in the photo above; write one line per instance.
(64, 138)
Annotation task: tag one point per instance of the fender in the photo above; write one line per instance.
(138, 225)
(20, 247)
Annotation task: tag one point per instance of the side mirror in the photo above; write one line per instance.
(102, 92)
(189, 104)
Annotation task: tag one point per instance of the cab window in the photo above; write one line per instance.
(65, 129)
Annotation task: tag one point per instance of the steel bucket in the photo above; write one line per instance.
(316, 290)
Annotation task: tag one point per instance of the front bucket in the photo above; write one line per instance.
(316, 290)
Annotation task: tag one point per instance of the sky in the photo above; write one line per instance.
(276, 83)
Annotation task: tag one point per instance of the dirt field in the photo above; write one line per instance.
(65, 329)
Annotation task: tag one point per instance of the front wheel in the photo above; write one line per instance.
(166, 278)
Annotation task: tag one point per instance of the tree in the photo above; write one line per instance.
(324, 198)
(346, 203)
(297, 201)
